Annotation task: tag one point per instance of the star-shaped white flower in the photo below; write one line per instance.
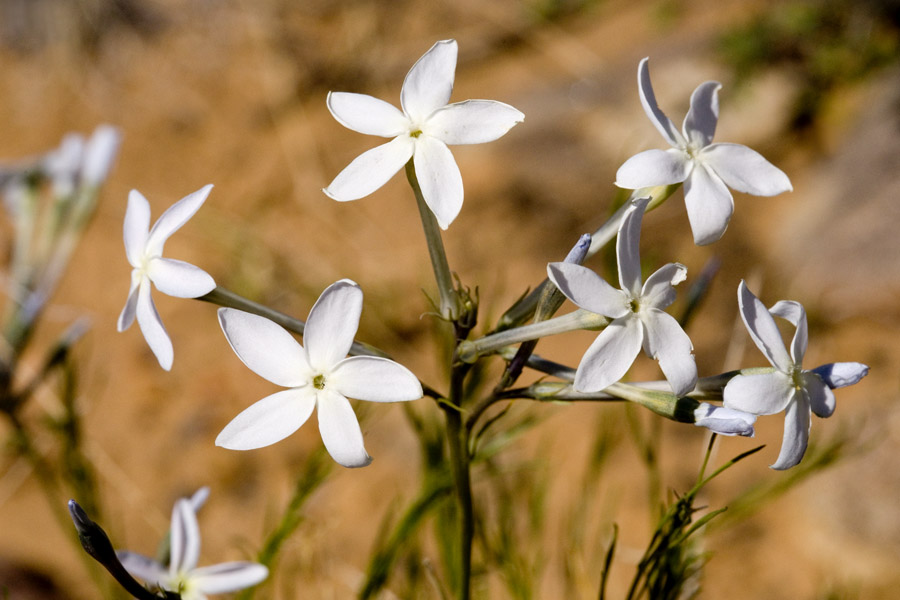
(637, 313)
(182, 574)
(706, 169)
(789, 388)
(421, 132)
(318, 375)
(144, 248)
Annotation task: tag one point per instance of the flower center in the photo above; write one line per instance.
(415, 133)
(319, 382)
(635, 305)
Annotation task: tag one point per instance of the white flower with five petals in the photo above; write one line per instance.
(789, 388)
(421, 131)
(144, 248)
(706, 169)
(637, 313)
(182, 574)
(317, 373)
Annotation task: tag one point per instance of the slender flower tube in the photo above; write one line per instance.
(637, 313)
(182, 574)
(144, 250)
(422, 131)
(789, 387)
(706, 169)
(318, 376)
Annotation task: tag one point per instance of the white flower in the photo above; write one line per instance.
(182, 575)
(77, 160)
(421, 132)
(319, 376)
(637, 313)
(173, 277)
(789, 387)
(705, 168)
(724, 420)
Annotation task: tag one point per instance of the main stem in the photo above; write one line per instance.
(458, 442)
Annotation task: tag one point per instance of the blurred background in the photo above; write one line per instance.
(232, 92)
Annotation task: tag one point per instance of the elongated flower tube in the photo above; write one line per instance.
(707, 169)
(789, 388)
(317, 374)
(421, 132)
(182, 574)
(144, 248)
(637, 313)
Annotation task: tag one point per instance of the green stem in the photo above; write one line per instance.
(458, 442)
(449, 307)
(470, 350)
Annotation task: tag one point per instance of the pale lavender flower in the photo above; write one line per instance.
(144, 248)
(789, 387)
(318, 375)
(706, 169)
(421, 131)
(182, 574)
(637, 313)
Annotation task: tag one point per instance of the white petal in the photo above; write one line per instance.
(185, 538)
(142, 567)
(841, 374)
(100, 154)
(610, 356)
(700, 123)
(136, 227)
(759, 394)
(178, 278)
(340, 430)
(429, 83)
(366, 114)
(821, 398)
(371, 170)
(152, 327)
(709, 205)
(745, 170)
(228, 577)
(796, 433)
(472, 121)
(654, 167)
(667, 342)
(659, 290)
(723, 420)
(628, 247)
(657, 117)
(763, 330)
(374, 379)
(332, 323)
(439, 178)
(588, 290)
(198, 499)
(794, 313)
(265, 347)
(172, 220)
(269, 420)
(126, 317)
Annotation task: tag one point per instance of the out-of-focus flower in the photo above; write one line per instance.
(637, 313)
(706, 169)
(421, 132)
(318, 375)
(724, 420)
(789, 388)
(144, 248)
(182, 574)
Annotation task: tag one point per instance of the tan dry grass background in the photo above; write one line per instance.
(233, 93)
